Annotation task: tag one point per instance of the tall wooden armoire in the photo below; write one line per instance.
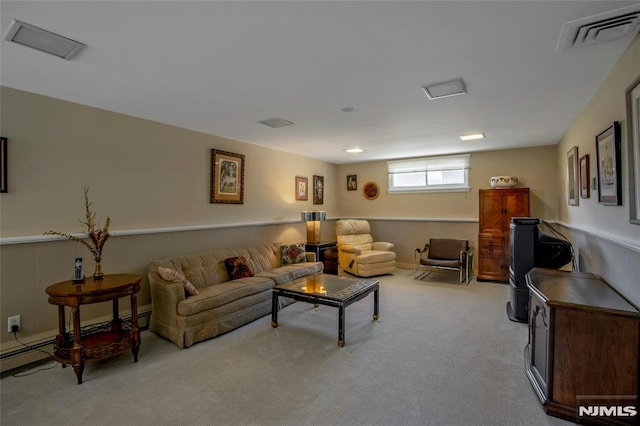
(497, 207)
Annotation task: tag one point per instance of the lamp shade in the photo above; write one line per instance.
(308, 216)
(313, 220)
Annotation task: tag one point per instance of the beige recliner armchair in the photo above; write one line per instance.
(358, 254)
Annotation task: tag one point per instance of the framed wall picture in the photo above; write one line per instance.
(318, 189)
(227, 177)
(584, 176)
(573, 181)
(371, 190)
(3, 165)
(608, 166)
(633, 146)
(352, 182)
(302, 188)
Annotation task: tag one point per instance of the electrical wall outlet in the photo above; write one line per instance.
(14, 320)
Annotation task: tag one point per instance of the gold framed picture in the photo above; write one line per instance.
(227, 177)
(302, 188)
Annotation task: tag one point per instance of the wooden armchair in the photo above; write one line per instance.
(444, 253)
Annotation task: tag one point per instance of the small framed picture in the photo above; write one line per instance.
(3, 165)
(302, 188)
(572, 176)
(608, 166)
(352, 182)
(318, 189)
(227, 177)
(585, 177)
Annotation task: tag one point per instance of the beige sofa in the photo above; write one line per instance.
(222, 304)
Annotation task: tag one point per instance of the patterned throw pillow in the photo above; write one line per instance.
(238, 267)
(293, 253)
(174, 276)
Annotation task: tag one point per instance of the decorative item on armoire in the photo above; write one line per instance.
(97, 234)
(503, 181)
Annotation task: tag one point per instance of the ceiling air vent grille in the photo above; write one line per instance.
(600, 28)
(275, 122)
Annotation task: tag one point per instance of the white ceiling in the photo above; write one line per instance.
(219, 67)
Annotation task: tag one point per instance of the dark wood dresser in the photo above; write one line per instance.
(584, 342)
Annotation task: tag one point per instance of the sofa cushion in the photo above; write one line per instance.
(174, 276)
(287, 273)
(374, 256)
(238, 267)
(223, 293)
(292, 254)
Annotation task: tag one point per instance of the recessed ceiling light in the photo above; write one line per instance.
(472, 137)
(354, 150)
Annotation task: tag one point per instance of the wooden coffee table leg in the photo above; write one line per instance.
(341, 326)
(274, 310)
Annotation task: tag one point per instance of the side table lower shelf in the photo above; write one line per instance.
(98, 342)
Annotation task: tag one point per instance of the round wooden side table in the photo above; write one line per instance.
(98, 341)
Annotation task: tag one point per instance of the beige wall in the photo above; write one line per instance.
(606, 242)
(410, 219)
(534, 167)
(142, 174)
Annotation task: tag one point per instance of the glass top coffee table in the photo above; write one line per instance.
(328, 290)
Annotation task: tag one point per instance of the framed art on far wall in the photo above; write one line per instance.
(318, 189)
(584, 176)
(608, 166)
(573, 181)
(3, 165)
(352, 182)
(632, 95)
(227, 177)
(302, 188)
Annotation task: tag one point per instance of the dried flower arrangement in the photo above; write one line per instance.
(98, 235)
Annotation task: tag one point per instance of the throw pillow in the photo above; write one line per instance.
(174, 276)
(293, 253)
(238, 267)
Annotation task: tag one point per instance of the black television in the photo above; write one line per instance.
(532, 244)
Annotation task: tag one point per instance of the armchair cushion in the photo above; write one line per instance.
(444, 248)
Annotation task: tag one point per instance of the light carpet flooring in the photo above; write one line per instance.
(440, 354)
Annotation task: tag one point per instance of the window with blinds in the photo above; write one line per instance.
(450, 173)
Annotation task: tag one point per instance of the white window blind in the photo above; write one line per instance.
(449, 173)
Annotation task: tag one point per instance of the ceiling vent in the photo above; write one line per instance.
(445, 89)
(609, 26)
(275, 122)
(43, 40)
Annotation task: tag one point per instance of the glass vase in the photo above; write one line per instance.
(97, 273)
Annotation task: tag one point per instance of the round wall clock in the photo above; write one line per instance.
(370, 190)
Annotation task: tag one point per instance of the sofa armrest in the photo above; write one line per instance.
(165, 297)
(350, 249)
(381, 245)
(311, 256)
